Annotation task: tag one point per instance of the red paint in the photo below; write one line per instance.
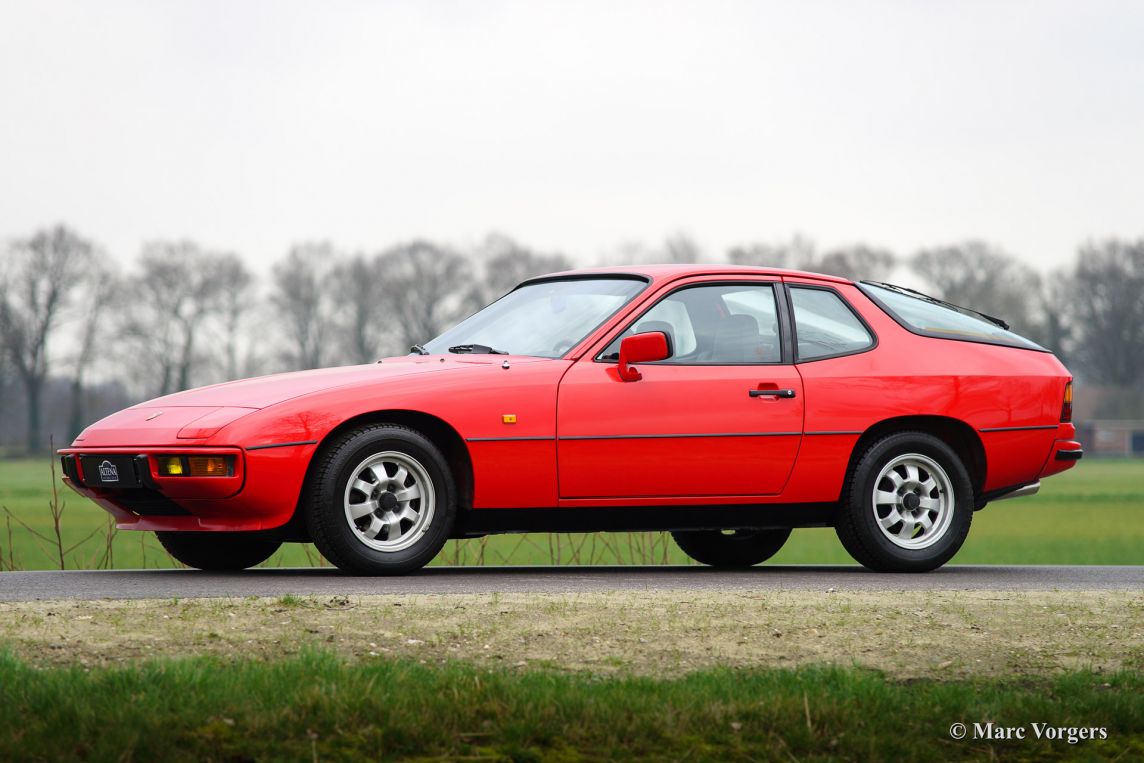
(611, 449)
(640, 348)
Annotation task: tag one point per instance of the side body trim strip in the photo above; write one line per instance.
(283, 444)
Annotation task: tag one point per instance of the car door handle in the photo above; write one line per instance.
(771, 393)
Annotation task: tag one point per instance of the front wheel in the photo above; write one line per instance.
(382, 501)
(217, 551)
(731, 548)
(907, 506)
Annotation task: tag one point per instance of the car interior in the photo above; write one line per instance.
(713, 325)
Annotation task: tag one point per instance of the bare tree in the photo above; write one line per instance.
(425, 287)
(179, 293)
(235, 302)
(679, 248)
(1057, 315)
(41, 276)
(303, 299)
(99, 299)
(505, 263)
(858, 262)
(798, 253)
(1106, 296)
(982, 277)
(361, 314)
(675, 249)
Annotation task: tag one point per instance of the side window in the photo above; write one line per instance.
(825, 326)
(669, 316)
(732, 324)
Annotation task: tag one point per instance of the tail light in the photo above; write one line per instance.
(1066, 406)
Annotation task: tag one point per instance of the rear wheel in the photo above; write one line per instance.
(219, 551)
(907, 506)
(731, 548)
(382, 501)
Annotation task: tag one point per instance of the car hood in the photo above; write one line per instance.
(199, 413)
(264, 391)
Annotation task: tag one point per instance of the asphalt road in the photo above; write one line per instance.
(192, 584)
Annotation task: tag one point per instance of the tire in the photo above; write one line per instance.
(731, 549)
(382, 501)
(217, 551)
(898, 484)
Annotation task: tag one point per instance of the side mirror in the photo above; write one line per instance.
(647, 347)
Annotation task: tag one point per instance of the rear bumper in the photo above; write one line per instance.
(1063, 456)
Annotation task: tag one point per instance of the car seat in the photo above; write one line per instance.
(738, 340)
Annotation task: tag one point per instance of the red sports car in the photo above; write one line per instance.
(725, 404)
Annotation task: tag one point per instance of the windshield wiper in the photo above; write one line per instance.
(418, 350)
(475, 349)
(942, 302)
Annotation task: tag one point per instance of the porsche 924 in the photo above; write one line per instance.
(726, 405)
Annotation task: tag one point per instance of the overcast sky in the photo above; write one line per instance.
(574, 126)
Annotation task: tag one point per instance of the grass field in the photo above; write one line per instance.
(1093, 514)
(317, 707)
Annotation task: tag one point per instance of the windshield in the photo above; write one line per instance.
(545, 319)
(925, 316)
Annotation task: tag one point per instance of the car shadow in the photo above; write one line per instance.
(595, 571)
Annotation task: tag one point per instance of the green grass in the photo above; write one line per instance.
(1093, 514)
(317, 707)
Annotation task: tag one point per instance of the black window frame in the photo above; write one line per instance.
(863, 287)
(782, 311)
(794, 324)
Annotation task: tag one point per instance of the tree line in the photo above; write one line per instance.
(81, 334)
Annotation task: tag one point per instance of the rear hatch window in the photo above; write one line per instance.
(931, 317)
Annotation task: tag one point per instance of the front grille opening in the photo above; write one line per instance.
(146, 503)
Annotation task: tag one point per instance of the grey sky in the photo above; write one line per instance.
(574, 126)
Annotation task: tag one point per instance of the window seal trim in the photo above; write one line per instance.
(785, 350)
(874, 341)
(863, 287)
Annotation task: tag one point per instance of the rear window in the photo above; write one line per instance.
(930, 318)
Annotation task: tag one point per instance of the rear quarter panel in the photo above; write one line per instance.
(986, 386)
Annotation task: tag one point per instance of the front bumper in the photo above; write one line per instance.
(261, 492)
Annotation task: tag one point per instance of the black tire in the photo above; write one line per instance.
(859, 521)
(730, 550)
(218, 551)
(341, 540)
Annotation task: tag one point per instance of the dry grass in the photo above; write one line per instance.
(907, 635)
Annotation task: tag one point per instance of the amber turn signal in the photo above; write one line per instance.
(195, 466)
(1066, 406)
(208, 466)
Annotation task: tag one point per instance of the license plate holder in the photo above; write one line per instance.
(110, 471)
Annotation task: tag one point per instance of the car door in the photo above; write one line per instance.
(721, 417)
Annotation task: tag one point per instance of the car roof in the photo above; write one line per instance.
(664, 273)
